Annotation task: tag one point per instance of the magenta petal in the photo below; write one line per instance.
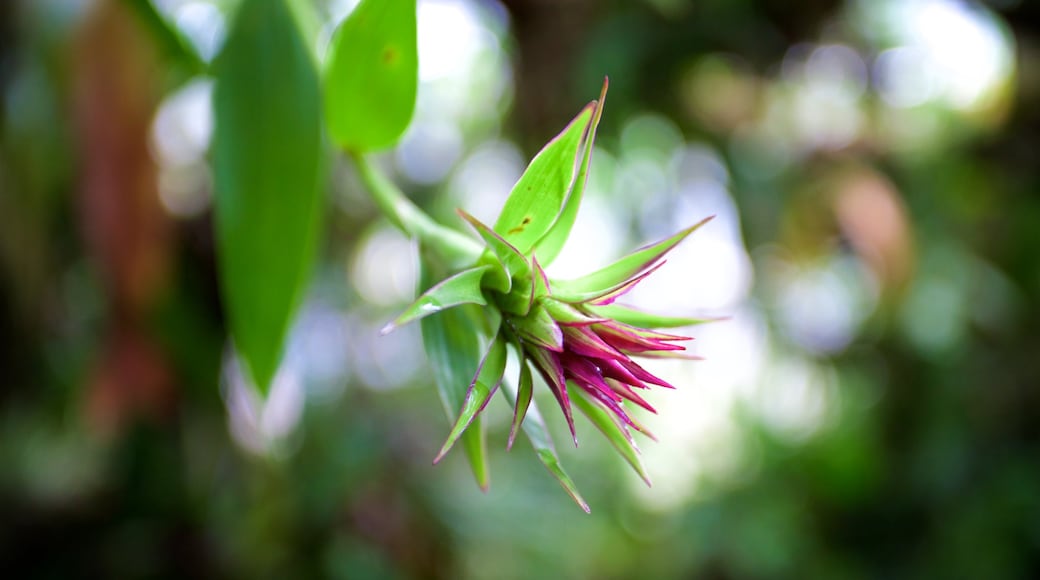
(582, 371)
(636, 340)
(625, 391)
(644, 375)
(583, 341)
(548, 364)
(612, 369)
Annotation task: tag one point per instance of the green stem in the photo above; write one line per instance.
(408, 218)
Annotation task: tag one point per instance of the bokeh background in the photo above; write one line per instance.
(870, 409)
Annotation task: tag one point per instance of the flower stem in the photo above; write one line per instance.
(408, 218)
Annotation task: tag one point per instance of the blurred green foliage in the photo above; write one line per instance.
(892, 231)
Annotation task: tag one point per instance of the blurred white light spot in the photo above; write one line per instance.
(385, 362)
(593, 242)
(821, 308)
(955, 51)
(180, 137)
(203, 24)
(384, 271)
(260, 425)
(483, 182)
(185, 190)
(449, 38)
(184, 123)
(905, 77)
(429, 151)
(839, 69)
(318, 346)
(794, 401)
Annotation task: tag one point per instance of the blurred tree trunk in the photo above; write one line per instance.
(128, 235)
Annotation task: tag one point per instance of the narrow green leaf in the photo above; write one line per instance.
(538, 434)
(462, 288)
(483, 385)
(537, 197)
(634, 317)
(617, 434)
(552, 242)
(452, 341)
(622, 270)
(372, 75)
(267, 147)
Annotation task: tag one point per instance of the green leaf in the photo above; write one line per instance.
(617, 434)
(267, 147)
(634, 317)
(372, 75)
(618, 273)
(552, 242)
(538, 434)
(483, 385)
(537, 197)
(462, 288)
(452, 341)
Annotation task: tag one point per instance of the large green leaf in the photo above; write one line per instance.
(552, 242)
(462, 288)
(452, 340)
(526, 414)
(617, 274)
(537, 197)
(372, 75)
(481, 388)
(267, 147)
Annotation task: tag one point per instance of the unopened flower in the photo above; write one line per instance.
(570, 332)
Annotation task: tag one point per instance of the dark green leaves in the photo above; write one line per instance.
(372, 75)
(267, 146)
(453, 349)
(481, 387)
(537, 197)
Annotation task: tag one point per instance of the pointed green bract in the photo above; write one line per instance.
(538, 434)
(268, 202)
(537, 197)
(524, 393)
(616, 274)
(483, 385)
(452, 343)
(462, 288)
(634, 317)
(539, 328)
(615, 433)
(372, 75)
(552, 242)
(567, 314)
(514, 263)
